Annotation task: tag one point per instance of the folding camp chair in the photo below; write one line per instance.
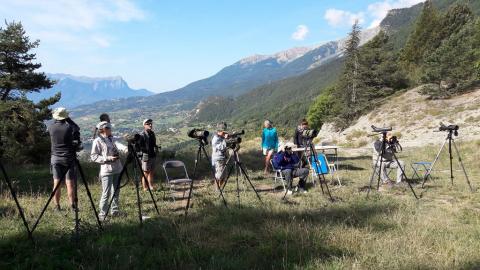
(278, 176)
(420, 166)
(325, 168)
(172, 182)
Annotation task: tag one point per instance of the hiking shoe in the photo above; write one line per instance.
(302, 190)
(119, 214)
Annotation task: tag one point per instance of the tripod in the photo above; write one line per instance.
(379, 162)
(451, 141)
(75, 204)
(201, 149)
(14, 196)
(239, 169)
(131, 157)
(309, 146)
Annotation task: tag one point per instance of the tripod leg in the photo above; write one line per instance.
(451, 160)
(46, 205)
(137, 191)
(317, 162)
(229, 173)
(214, 177)
(427, 174)
(75, 205)
(238, 186)
(405, 176)
(139, 166)
(82, 175)
(240, 165)
(14, 195)
(373, 176)
(463, 167)
(198, 157)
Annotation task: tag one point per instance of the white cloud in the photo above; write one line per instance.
(375, 13)
(300, 33)
(70, 22)
(379, 10)
(337, 17)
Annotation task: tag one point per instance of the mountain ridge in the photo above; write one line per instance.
(82, 90)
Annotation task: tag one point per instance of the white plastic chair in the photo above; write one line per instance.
(278, 176)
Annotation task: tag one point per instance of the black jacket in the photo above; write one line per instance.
(63, 134)
(148, 143)
(298, 138)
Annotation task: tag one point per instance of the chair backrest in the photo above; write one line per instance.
(273, 166)
(322, 167)
(172, 164)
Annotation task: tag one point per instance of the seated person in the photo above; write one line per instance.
(288, 162)
(388, 161)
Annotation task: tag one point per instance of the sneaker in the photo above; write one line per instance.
(302, 190)
(101, 217)
(289, 192)
(119, 214)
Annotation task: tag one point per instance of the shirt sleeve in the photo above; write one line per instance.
(96, 154)
(121, 147)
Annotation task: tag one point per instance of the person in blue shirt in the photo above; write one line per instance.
(289, 163)
(269, 143)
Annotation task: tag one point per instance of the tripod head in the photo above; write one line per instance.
(452, 129)
(200, 135)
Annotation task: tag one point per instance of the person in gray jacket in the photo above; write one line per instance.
(387, 161)
(219, 152)
(106, 153)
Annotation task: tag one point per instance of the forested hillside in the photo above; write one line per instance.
(433, 43)
(442, 53)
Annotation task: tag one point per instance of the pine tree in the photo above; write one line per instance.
(322, 109)
(17, 70)
(379, 70)
(351, 63)
(423, 38)
(22, 122)
(453, 66)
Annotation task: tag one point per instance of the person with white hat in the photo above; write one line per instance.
(219, 151)
(64, 138)
(148, 145)
(105, 152)
(287, 161)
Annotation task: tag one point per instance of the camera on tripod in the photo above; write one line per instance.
(381, 130)
(233, 141)
(199, 134)
(449, 128)
(309, 134)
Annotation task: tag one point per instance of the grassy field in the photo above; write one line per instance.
(390, 230)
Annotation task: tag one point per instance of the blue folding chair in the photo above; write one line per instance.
(319, 169)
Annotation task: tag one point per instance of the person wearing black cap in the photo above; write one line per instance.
(148, 145)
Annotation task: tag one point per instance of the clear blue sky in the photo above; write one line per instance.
(163, 45)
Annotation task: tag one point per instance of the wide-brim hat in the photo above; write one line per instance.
(285, 145)
(103, 125)
(60, 113)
